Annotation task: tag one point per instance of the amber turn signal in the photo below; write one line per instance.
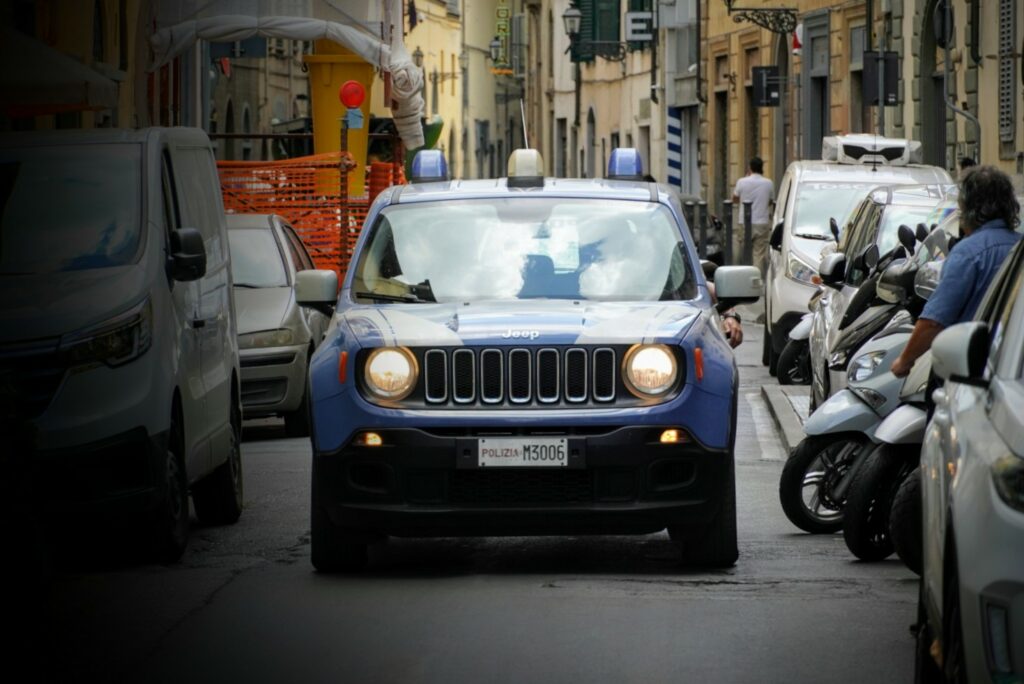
(371, 439)
(671, 436)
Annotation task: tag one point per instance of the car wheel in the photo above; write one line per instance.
(954, 666)
(810, 475)
(905, 522)
(332, 550)
(168, 529)
(218, 497)
(712, 546)
(794, 364)
(766, 345)
(866, 521)
(926, 671)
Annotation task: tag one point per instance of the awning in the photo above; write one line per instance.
(38, 79)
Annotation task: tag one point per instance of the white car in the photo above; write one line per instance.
(119, 383)
(276, 336)
(972, 479)
(809, 195)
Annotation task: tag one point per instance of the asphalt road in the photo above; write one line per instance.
(245, 604)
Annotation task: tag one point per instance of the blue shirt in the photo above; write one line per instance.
(972, 264)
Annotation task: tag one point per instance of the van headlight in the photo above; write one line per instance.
(114, 342)
(799, 270)
(1008, 475)
(650, 370)
(863, 367)
(266, 338)
(390, 373)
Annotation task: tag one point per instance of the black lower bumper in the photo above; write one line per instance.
(620, 481)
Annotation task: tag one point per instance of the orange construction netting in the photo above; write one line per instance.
(308, 192)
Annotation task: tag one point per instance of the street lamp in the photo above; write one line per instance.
(573, 18)
(417, 57)
(495, 48)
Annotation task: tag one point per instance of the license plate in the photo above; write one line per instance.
(523, 452)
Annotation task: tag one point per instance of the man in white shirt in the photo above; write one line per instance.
(760, 191)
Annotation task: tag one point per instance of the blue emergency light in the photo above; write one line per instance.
(625, 164)
(428, 166)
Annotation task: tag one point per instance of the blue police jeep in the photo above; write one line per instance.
(524, 356)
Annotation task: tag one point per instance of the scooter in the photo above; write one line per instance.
(794, 364)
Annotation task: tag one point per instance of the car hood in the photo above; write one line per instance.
(533, 322)
(49, 305)
(261, 308)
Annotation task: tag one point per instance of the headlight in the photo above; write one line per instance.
(390, 373)
(265, 338)
(114, 342)
(1008, 475)
(863, 367)
(649, 369)
(799, 270)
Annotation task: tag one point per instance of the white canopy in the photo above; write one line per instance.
(358, 25)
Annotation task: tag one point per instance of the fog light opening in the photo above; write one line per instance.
(371, 439)
(999, 639)
(672, 436)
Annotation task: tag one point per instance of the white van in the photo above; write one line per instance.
(809, 195)
(119, 380)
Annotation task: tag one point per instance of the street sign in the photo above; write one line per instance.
(352, 94)
(891, 74)
(639, 26)
(767, 86)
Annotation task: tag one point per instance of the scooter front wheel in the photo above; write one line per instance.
(794, 364)
(807, 486)
(866, 527)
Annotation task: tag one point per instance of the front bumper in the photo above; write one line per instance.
(273, 380)
(628, 483)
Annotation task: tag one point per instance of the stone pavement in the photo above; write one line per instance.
(789, 406)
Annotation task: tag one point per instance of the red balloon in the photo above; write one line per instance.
(352, 94)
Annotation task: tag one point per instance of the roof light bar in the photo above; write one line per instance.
(429, 166)
(625, 164)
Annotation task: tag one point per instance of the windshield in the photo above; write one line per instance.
(895, 216)
(522, 248)
(69, 208)
(816, 203)
(256, 260)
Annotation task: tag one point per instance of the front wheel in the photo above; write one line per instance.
(168, 529)
(794, 364)
(809, 479)
(866, 526)
(218, 497)
(905, 523)
(715, 545)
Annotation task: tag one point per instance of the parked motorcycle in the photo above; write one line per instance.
(794, 364)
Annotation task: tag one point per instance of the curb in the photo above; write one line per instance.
(791, 428)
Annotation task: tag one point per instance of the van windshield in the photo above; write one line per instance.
(69, 208)
(816, 203)
(524, 248)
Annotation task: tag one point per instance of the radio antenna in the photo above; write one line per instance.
(522, 114)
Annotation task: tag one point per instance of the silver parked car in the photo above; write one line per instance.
(972, 482)
(276, 337)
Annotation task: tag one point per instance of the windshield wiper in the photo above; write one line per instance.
(407, 298)
(813, 236)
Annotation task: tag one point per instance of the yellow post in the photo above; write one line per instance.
(329, 68)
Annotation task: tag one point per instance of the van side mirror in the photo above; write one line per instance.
(775, 240)
(907, 238)
(832, 269)
(833, 226)
(317, 290)
(188, 254)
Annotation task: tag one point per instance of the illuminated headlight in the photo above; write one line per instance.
(1008, 475)
(863, 367)
(114, 342)
(799, 270)
(265, 338)
(650, 370)
(390, 373)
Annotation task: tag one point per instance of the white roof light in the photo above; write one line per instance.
(871, 149)
(525, 167)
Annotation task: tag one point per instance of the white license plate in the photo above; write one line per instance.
(520, 452)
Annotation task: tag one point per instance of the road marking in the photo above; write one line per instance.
(764, 427)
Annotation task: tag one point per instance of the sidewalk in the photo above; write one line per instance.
(789, 406)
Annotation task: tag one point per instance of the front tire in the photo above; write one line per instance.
(816, 465)
(905, 523)
(218, 497)
(168, 529)
(715, 545)
(331, 549)
(794, 364)
(866, 525)
(926, 671)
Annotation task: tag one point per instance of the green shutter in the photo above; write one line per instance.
(585, 53)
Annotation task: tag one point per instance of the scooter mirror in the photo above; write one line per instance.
(870, 257)
(907, 237)
(922, 232)
(834, 227)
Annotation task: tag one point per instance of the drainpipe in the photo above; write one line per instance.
(950, 103)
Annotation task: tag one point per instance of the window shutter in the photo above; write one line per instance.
(453, 7)
(585, 53)
(639, 6)
(1007, 67)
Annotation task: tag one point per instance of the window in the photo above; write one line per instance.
(600, 23)
(857, 111)
(303, 262)
(256, 259)
(1007, 69)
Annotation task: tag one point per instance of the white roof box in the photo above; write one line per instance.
(870, 149)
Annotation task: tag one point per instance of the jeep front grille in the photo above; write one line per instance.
(519, 377)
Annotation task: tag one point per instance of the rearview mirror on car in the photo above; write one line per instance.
(317, 289)
(833, 226)
(737, 285)
(775, 240)
(960, 352)
(188, 254)
(832, 269)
